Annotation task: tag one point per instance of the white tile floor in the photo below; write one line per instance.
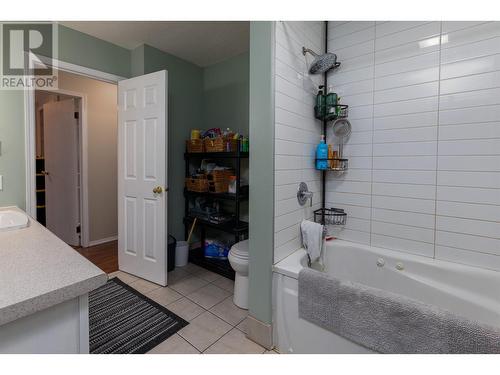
(205, 299)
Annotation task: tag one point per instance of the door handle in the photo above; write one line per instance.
(158, 190)
(45, 173)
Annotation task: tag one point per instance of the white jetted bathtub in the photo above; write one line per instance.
(468, 291)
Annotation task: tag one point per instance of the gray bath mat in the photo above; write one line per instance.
(123, 321)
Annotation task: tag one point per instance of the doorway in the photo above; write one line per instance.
(58, 188)
(95, 121)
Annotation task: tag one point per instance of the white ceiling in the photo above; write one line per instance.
(202, 43)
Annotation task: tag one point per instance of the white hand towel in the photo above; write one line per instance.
(312, 239)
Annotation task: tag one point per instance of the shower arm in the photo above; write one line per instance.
(305, 50)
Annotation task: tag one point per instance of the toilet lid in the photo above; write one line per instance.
(240, 249)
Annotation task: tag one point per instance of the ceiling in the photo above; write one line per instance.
(202, 43)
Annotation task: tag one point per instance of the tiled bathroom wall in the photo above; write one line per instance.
(296, 131)
(424, 152)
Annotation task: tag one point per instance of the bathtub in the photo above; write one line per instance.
(468, 291)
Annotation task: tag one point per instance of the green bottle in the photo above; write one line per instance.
(319, 108)
(331, 104)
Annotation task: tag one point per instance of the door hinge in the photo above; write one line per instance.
(77, 115)
(78, 229)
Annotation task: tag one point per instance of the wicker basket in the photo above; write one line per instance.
(195, 145)
(214, 144)
(218, 186)
(218, 180)
(220, 175)
(199, 184)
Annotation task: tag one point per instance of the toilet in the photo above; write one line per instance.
(238, 258)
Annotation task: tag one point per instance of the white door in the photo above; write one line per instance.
(61, 150)
(142, 178)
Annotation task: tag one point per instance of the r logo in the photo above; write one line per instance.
(23, 47)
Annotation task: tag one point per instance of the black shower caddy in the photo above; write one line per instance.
(324, 215)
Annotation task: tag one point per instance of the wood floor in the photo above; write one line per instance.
(104, 256)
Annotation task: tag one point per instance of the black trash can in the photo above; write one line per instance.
(172, 242)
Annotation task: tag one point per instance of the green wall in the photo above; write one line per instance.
(12, 149)
(261, 206)
(137, 61)
(85, 50)
(76, 48)
(225, 94)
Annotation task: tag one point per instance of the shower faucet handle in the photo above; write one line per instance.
(303, 194)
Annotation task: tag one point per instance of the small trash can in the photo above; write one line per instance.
(181, 253)
(171, 253)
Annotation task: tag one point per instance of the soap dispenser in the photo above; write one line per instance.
(322, 154)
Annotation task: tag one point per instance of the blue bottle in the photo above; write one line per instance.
(322, 155)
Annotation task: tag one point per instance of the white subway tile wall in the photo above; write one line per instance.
(424, 153)
(297, 132)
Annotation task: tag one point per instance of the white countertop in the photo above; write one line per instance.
(38, 270)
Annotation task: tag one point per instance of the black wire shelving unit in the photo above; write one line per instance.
(236, 227)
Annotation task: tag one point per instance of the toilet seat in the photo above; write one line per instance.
(240, 250)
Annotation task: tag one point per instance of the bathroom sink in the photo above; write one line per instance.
(10, 220)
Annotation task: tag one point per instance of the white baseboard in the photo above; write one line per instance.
(260, 332)
(102, 240)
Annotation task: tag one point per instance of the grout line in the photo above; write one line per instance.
(469, 27)
(475, 203)
(350, 45)
(405, 238)
(195, 348)
(468, 43)
(472, 58)
(382, 76)
(403, 114)
(296, 127)
(350, 33)
(437, 139)
(470, 251)
(293, 98)
(406, 29)
(424, 82)
(408, 41)
(471, 219)
(472, 106)
(401, 100)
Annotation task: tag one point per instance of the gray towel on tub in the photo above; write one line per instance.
(386, 322)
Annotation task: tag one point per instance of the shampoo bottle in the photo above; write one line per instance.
(319, 108)
(322, 154)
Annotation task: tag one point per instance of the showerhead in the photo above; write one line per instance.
(321, 63)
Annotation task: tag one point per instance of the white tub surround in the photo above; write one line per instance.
(44, 285)
(464, 290)
(424, 159)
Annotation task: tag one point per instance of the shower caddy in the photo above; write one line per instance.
(339, 165)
